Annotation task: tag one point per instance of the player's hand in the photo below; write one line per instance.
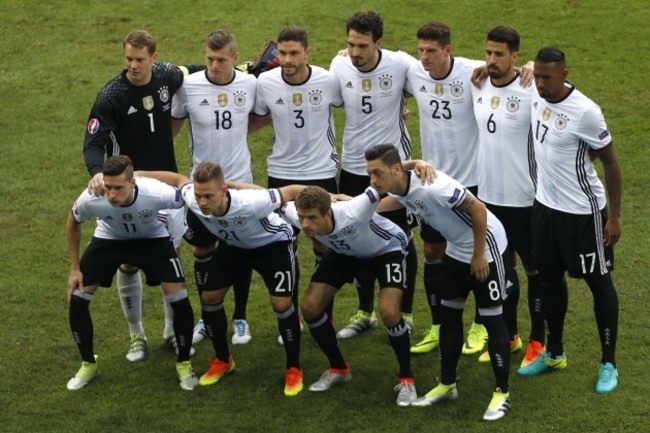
(526, 76)
(479, 268)
(406, 114)
(96, 185)
(339, 197)
(612, 231)
(479, 75)
(343, 53)
(75, 280)
(425, 172)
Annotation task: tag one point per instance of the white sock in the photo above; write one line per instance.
(129, 287)
(169, 316)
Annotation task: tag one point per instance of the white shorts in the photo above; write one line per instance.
(175, 222)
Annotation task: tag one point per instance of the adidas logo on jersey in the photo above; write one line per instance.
(279, 102)
(479, 100)
(423, 89)
(349, 85)
(108, 218)
(131, 110)
(204, 102)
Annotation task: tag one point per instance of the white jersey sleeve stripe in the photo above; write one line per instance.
(275, 228)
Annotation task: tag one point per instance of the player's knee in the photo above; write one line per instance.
(309, 307)
(280, 303)
(211, 297)
(433, 252)
(390, 313)
(202, 251)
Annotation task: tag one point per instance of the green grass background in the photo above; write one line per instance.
(56, 55)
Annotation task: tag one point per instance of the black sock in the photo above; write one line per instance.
(365, 282)
(431, 285)
(537, 328)
(555, 301)
(606, 311)
(289, 328)
(81, 325)
(241, 288)
(451, 342)
(323, 332)
(499, 349)
(411, 274)
(216, 324)
(183, 323)
(399, 339)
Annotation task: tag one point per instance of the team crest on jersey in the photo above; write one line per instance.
(93, 125)
(147, 103)
(366, 85)
(189, 233)
(164, 94)
(494, 102)
(315, 97)
(296, 98)
(145, 215)
(561, 121)
(127, 217)
(349, 231)
(457, 88)
(240, 98)
(546, 114)
(386, 82)
(239, 222)
(222, 99)
(439, 90)
(513, 104)
(223, 223)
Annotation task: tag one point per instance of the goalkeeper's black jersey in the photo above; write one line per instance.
(134, 121)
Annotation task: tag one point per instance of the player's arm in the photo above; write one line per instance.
(231, 184)
(290, 192)
(387, 204)
(169, 177)
(177, 124)
(478, 214)
(526, 74)
(422, 169)
(73, 235)
(256, 122)
(613, 183)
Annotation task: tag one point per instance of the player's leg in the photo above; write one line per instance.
(434, 249)
(241, 289)
(411, 281)
(175, 222)
(214, 275)
(129, 289)
(453, 290)
(365, 319)
(596, 264)
(98, 264)
(547, 253)
(277, 264)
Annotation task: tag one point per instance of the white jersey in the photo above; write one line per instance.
(218, 117)
(374, 102)
(358, 230)
(436, 204)
(249, 222)
(507, 172)
(564, 132)
(304, 141)
(139, 220)
(448, 132)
